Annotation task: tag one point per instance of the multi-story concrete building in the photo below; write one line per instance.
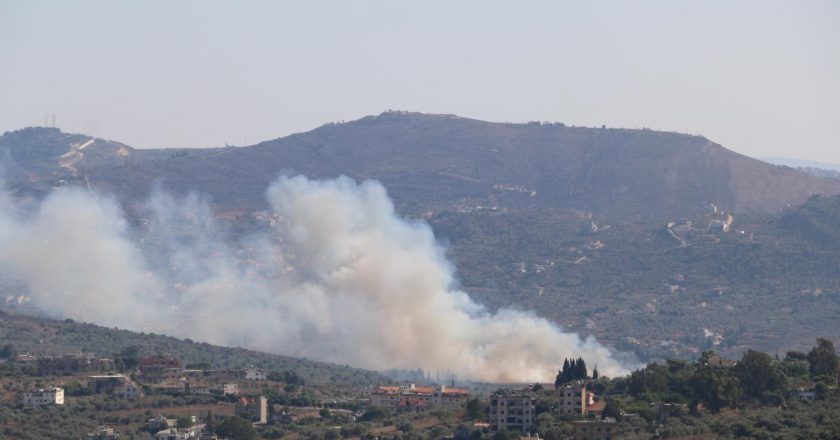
(44, 396)
(606, 429)
(117, 385)
(411, 397)
(511, 412)
(573, 399)
(69, 364)
(160, 370)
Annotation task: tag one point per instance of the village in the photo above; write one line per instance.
(144, 396)
(224, 397)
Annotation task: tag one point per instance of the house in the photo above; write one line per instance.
(169, 434)
(596, 408)
(511, 412)
(806, 395)
(70, 364)
(128, 390)
(227, 388)
(204, 388)
(106, 384)
(418, 398)
(716, 361)
(43, 396)
(103, 433)
(718, 226)
(664, 411)
(252, 373)
(606, 429)
(117, 385)
(282, 416)
(253, 409)
(160, 370)
(160, 423)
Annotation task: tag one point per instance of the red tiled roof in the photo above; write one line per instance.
(597, 407)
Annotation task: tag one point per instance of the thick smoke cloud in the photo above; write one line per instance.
(339, 277)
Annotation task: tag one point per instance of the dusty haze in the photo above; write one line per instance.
(340, 277)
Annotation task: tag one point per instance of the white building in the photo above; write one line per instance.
(49, 396)
(252, 373)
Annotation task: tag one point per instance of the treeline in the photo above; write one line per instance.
(573, 369)
(716, 384)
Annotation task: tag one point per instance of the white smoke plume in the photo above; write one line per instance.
(340, 277)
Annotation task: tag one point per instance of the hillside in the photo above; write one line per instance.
(639, 287)
(435, 162)
(43, 336)
(605, 231)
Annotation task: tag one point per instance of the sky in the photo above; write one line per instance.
(759, 77)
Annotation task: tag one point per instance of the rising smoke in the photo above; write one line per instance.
(340, 277)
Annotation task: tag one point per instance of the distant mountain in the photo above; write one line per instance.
(438, 162)
(797, 163)
(816, 169)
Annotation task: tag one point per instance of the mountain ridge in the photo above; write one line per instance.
(434, 162)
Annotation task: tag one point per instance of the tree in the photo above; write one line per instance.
(209, 422)
(128, 359)
(375, 413)
(581, 372)
(562, 374)
(236, 429)
(796, 356)
(475, 409)
(324, 413)
(7, 352)
(405, 427)
(595, 373)
(714, 388)
(758, 374)
(291, 377)
(183, 422)
(822, 359)
(613, 408)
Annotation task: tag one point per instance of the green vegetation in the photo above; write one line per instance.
(25, 334)
(574, 369)
(632, 284)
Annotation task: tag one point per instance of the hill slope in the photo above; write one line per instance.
(42, 336)
(568, 221)
(434, 162)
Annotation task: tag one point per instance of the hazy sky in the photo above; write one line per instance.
(759, 77)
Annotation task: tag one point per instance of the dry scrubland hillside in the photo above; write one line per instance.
(589, 226)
